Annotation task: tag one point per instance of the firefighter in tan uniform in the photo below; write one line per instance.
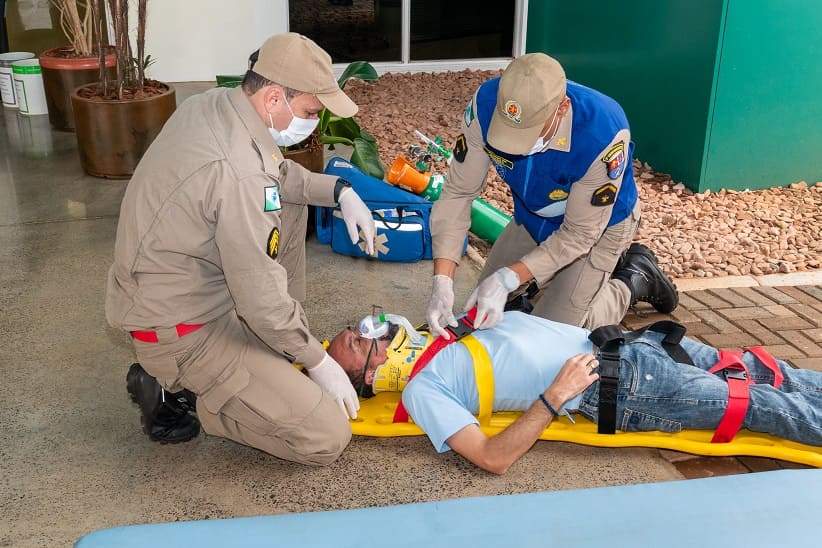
(565, 152)
(209, 265)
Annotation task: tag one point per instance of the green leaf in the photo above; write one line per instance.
(368, 137)
(343, 127)
(325, 118)
(331, 140)
(366, 157)
(358, 69)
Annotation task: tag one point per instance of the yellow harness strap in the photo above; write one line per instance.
(485, 378)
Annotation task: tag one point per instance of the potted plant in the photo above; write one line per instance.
(66, 67)
(116, 119)
(333, 130)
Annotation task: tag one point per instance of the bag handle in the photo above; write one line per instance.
(400, 216)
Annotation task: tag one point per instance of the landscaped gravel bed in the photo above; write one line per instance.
(723, 233)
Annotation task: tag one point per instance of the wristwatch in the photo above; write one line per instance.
(338, 188)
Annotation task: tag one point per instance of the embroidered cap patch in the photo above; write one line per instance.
(513, 111)
(615, 160)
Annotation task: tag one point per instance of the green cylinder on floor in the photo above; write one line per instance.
(487, 222)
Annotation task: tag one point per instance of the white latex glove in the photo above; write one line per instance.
(356, 214)
(490, 297)
(440, 307)
(333, 380)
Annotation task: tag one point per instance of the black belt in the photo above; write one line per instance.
(609, 339)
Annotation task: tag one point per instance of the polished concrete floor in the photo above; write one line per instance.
(73, 458)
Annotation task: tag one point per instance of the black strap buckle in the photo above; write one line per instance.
(461, 330)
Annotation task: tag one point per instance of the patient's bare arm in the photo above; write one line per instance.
(496, 454)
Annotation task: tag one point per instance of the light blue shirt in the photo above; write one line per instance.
(526, 354)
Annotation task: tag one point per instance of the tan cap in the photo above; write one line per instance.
(299, 63)
(530, 91)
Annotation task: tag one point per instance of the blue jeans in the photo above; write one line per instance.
(657, 393)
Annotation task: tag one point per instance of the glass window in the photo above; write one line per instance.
(461, 29)
(371, 30)
(350, 30)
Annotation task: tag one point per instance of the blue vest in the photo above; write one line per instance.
(597, 119)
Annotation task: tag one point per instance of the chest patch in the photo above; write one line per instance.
(468, 114)
(272, 245)
(499, 160)
(615, 160)
(604, 195)
(272, 199)
(557, 194)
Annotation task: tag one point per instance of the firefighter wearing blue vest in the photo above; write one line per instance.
(565, 152)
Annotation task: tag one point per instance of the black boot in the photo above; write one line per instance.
(639, 270)
(165, 416)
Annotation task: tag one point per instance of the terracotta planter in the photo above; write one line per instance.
(312, 160)
(112, 136)
(61, 76)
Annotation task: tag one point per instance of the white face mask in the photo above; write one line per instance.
(541, 144)
(297, 131)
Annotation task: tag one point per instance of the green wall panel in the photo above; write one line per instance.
(767, 122)
(656, 58)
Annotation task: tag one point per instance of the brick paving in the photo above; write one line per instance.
(787, 321)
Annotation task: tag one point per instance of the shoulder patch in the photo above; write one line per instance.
(497, 159)
(272, 245)
(604, 195)
(615, 160)
(468, 113)
(460, 148)
(272, 199)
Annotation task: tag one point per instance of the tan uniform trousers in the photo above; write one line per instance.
(247, 393)
(582, 293)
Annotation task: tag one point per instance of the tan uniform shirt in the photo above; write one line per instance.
(195, 239)
(583, 223)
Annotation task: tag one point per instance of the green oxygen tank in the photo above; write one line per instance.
(487, 222)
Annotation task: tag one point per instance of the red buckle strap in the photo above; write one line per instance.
(183, 329)
(467, 326)
(768, 361)
(736, 375)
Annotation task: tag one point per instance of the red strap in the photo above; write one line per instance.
(145, 336)
(738, 395)
(183, 329)
(768, 361)
(401, 415)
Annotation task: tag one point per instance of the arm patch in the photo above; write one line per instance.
(460, 148)
(272, 245)
(604, 195)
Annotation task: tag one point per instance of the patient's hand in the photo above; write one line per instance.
(577, 374)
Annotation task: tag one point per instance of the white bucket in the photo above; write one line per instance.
(9, 96)
(28, 85)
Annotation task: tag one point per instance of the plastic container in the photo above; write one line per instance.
(7, 91)
(404, 175)
(28, 86)
(487, 222)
